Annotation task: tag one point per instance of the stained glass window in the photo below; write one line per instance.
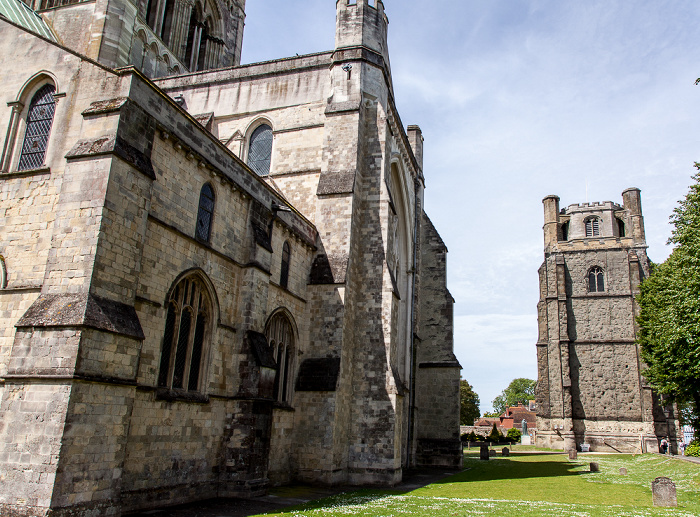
(280, 335)
(284, 275)
(184, 338)
(260, 150)
(205, 214)
(36, 137)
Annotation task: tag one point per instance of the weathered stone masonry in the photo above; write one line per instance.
(340, 372)
(591, 387)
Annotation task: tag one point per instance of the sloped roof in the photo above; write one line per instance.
(18, 12)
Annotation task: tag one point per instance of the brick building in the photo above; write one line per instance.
(214, 277)
(590, 385)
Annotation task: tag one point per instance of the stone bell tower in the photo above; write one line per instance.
(590, 387)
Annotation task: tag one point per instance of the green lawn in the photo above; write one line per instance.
(530, 485)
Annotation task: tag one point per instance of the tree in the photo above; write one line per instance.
(669, 316)
(468, 404)
(519, 390)
(495, 435)
(514, 434)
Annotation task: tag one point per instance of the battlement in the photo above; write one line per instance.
(596, 205)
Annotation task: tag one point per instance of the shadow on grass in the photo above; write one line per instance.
(504, 468)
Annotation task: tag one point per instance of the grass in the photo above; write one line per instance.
(529, 485)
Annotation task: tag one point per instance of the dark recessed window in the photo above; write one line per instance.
(36, 136)
(260, 150)
(3, 274)
(284, 274)
(565, 231)
(621, 228)
(205, 213)
(186, 333)
(596, 283)
(593, 227)
(280, 335)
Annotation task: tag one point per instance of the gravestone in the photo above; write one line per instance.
(573, 454)
(484, 452)
(595, 467)
(623, 471)
(505, 451)
(663, 492)
(492, 452)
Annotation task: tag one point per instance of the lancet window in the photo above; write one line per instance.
(39, 122)
(596, 282)
(280, 336)
(205, 214)
(260, 150)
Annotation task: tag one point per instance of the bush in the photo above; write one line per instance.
(480, 438)
(464, 437)
(495, 435)
(693, 449)
(472, 437)
(514, 435)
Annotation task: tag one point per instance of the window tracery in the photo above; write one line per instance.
(186, 336)
(596, 281)
(280, 336)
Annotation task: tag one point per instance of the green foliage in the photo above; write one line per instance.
(468, 404)
(669, 317)
(693, 449)
(518, 391)
(472, 436)
(495, 435)
(514, 434)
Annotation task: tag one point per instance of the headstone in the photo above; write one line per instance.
(663, 492)
(573, 455)
(505, 451)
(595, 467)
(492, 452)
(484, 452)
(623, 471)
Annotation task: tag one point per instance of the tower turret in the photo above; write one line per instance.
(551, 220)
(362, 23)
(632, 201)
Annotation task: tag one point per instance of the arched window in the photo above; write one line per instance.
(3, 274)
(205, 213)
(596, 283)
(203, 42)
(260, 150)
(620, 228)
(593, 227)
(284, 272)
(186, 333)
(39, 121)
(280, 335)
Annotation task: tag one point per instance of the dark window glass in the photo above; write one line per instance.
(167, 21)
(191, 33)
(280, 336)
(203, 42)
(205, 214)
(596, 283)
(260, 150)
(39, 121)
(184, 340)
(284, 275)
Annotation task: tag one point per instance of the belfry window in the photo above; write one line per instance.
(596, 283)
(260, 150)
(205, 213)
(593, 227)
(184, 340)
(280, 336)
(36, 136)
(284, 272)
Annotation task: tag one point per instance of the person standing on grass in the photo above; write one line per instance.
(664, 445)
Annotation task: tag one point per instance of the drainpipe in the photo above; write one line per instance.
(412, 384)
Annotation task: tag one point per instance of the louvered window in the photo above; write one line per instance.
(596, 283)
(260, 150)
(593, 227)
(281, 338)
(36, 136)
(284, 274)
(186, 323)
(205, 213)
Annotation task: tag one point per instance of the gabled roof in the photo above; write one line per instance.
(19, 13)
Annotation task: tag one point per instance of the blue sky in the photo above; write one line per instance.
(518, 100)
